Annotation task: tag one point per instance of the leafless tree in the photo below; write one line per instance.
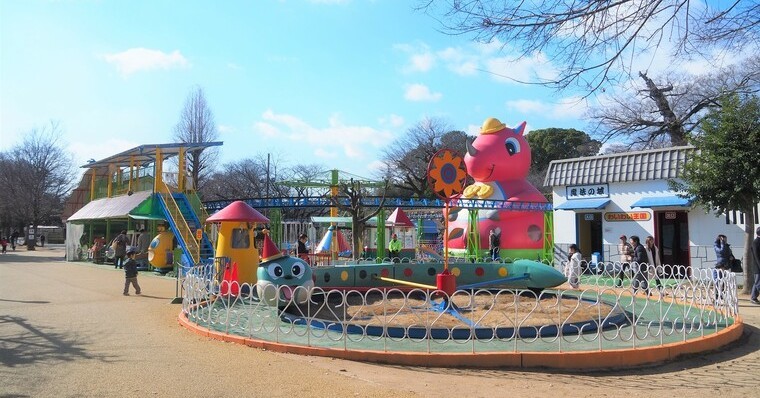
(408, 157)
(196, 125)
(247, 178)
(360, 214)
(36, 177)
(593, 43)
(665, 110)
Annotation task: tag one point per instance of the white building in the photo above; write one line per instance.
(597, 199)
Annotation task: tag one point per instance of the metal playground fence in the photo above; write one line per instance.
(658, 306)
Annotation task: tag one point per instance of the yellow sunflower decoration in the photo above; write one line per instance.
(447, 173)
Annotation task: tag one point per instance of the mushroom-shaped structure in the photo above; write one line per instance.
(235, 241)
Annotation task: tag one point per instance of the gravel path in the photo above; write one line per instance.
(67, 331)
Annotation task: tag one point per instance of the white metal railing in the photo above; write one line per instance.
(596, 316)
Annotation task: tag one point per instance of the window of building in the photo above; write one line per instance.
(240, 239)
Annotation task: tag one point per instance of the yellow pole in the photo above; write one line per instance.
(92, 184)
(407, 283)
(131, 172)
(109, 193)
(181, 173)
(159, 171)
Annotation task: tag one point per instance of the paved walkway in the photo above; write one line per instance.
(66, 330)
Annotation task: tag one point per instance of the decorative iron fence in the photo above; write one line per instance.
(676, 304)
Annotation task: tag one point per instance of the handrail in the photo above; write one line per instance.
(186, 234)
(197, 204)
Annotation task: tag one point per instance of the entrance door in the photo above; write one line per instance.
(673, 237)
(589, 233)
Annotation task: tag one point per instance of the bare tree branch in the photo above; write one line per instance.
(196, 125)
(595, 43)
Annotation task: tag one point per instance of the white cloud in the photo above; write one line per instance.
(421, 59)
(527, 106)
(376, 165)
(421, 92)
(234, 66)
(458, 61)
(526, 69)
(421, 62)
(324, 154)
(143, 59)
(266, 129)
(571, 108)
(392, 120)
(335, 139)
(472, 129)
(329, 2)
(565, 108)
(225, 129)
(492, 47)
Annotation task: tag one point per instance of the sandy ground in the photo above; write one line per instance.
(66, 330)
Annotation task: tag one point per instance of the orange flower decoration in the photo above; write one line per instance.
(447, 173)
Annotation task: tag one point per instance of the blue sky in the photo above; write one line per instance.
(330, 82)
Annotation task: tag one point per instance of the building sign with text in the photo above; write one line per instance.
(588, 191)
(628, 216)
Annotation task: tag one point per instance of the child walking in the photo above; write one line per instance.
(130, 271)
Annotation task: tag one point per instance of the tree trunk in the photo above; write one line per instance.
(671, 124)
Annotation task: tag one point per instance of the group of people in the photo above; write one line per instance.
(642, 259)
(13, 239)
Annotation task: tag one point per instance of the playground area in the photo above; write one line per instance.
(479, 298)
(113, 336)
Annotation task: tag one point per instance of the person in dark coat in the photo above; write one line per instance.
(120, 249)
(302, 251)
(723, 257)
(130, 272)
(723, 253)
(14, 238)
(494, 243)
(640, 266)
(755, 255)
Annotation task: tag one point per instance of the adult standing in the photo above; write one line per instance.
(394, 248)
(143, 242)
(301, 250)
(120, 249)
(626, 253)
(755, 254)
(653, 259)
(723, 253)
(494, 241)
(14, 238)
(573, 266)
(42, 240)
(639, 266)
(723, 257)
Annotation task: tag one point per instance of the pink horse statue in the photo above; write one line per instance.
(499, 161)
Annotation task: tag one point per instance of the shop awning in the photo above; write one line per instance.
(116, 207)
(583, 204)
(663, 201)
